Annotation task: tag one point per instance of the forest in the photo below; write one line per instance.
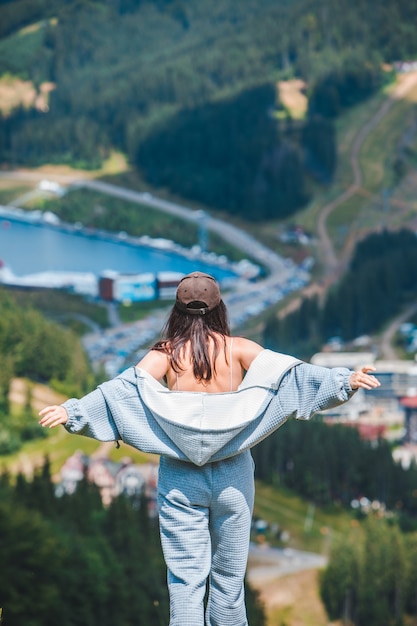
(40, 350)
(372, 576)
(331, 464)
(199, 114)
(37, 348)
(380, 280)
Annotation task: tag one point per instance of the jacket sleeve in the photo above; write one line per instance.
(308, 389)
(90, 416)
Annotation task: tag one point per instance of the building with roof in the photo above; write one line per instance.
(111, 478)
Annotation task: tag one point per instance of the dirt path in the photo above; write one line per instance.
(334, 266)
(331, 263)
(293, 600)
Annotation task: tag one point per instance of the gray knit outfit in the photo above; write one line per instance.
(206, 484)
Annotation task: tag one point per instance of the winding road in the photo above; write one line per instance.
(386, 348)
(266, 563)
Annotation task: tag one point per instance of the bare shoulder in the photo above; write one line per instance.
(156, 363)
(246, 350)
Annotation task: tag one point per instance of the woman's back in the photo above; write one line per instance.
(234, 356)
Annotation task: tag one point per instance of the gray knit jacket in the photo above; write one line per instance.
(205, 427)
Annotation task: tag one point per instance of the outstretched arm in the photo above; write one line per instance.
(89, 416)
(309, 389)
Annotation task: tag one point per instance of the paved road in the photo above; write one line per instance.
(239, 238)
(95, 328)
(267, 563)
(277, 266)
(387, 351)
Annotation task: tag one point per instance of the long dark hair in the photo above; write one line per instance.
(182, 328)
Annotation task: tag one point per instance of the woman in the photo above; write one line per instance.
(224, 394)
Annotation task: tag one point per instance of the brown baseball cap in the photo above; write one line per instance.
(197, 293)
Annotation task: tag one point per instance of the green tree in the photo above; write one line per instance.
(339, 581)
(366, 579)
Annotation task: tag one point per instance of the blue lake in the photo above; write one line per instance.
(28, 248)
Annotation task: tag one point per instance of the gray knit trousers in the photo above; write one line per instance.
(205, 516)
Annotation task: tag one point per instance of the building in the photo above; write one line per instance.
(167, 283)
(409, 404)
(127, 288)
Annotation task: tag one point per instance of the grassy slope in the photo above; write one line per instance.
(309, 528)
(364, 211)
(294, 600)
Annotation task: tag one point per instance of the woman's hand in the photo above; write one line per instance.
(53, 416)
(361, 378)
